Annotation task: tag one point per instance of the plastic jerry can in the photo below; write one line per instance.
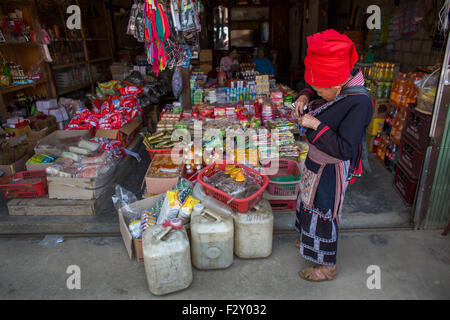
(167, 259)
(212, 240)
(253, 232)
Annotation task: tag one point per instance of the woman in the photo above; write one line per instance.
(263, 65)
(335, 130)
(230, 63)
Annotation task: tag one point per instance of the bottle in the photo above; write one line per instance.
(389, 159)
(397, 126)
(376, 142)
(388, 121)
(394, 89)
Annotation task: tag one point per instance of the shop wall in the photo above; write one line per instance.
(409, 51)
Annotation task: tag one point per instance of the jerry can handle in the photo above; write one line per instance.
(164, 233)
(211, 214)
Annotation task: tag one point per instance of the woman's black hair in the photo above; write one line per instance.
(232, 48)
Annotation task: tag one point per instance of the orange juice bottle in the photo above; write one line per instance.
(394, 88)
(397, 127)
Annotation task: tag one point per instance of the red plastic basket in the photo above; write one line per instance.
(25, 190)
(290, 188)
(239, 205)
(153, 152)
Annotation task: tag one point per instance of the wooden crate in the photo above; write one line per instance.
(44, 206)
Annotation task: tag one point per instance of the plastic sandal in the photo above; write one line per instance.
(310, 274)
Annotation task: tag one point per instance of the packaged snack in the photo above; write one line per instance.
(80, 150)
(92, 146)
(42, 158)
(135, 229)
(170, 207)
(99, 158)
(187, 207)
(75, 157)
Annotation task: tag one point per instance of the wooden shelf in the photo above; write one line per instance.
(67, 65)
(100, 59)
(23, 44)
(96, 39)
(74, 88)
(68, 40)
(22, 86)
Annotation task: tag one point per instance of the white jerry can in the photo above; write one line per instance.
(212, 240)
(167, 259)
(253, 232)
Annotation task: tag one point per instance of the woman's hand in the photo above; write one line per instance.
(308, 121)
(299, 104)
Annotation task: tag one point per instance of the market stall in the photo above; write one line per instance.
(178, 142)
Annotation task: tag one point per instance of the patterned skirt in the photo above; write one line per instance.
(318, 235)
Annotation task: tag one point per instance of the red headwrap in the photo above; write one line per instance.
(329, 58)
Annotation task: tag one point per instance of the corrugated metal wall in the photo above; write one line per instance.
(438, 213)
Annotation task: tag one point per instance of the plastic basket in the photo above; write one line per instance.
(153, 152)
(25, 190)
(239, 205)
(290, 188)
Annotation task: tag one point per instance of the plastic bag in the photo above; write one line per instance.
(122, 199)
(177, 83)
(427, 92)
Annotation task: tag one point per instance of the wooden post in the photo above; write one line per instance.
(186, 92)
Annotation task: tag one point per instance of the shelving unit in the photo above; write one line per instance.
(82, 51)
(27, 54)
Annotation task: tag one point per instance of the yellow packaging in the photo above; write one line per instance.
(235, 172)
(172, 198)
(240, 177)
(229, 168)
(188, 205)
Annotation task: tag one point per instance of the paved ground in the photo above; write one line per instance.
(414, 265)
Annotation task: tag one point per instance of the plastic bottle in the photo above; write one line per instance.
(167, 259)
(376, 142)
(389, 120)
(217, 206)
(394, 88)
(397, 126)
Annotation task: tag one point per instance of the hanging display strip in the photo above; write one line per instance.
(149, 23)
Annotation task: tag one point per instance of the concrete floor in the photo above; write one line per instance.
(414, 265)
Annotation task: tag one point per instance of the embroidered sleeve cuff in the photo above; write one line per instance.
(307, 92)
(321, 129)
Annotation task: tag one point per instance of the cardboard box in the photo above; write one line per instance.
(59, 140)
(20, 131)
(375, 125)
(79, 188)
(135, 245)
(381, 107)
(125, 134)
(157, 185)
(16, 166)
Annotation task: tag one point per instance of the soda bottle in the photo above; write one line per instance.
(376, 142)
(397, 126)
(388, 121)
(389, 159)
(382, 147)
